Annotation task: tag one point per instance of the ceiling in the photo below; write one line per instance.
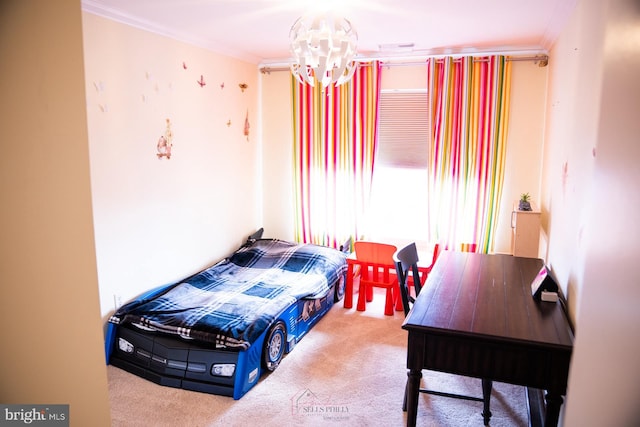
(258, 30)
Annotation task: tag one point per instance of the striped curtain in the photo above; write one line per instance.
(470, 113)
(334, 144)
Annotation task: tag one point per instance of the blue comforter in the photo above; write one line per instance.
(233, 302)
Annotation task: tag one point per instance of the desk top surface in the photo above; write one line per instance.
(488, 297)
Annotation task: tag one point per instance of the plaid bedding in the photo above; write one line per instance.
(233, 302)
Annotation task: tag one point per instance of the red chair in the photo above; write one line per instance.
(377, 270)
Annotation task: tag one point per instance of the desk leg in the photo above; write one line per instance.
(487, 385)
(411, 397)
(554, 402)
(348, 288)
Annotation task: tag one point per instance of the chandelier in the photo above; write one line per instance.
(323, 48)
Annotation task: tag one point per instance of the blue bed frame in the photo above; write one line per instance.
(188, 365)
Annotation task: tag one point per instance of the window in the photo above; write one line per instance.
(403, 130)
(398, 212)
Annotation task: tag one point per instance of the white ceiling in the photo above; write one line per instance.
(258, 30)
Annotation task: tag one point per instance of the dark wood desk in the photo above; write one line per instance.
(476, 317)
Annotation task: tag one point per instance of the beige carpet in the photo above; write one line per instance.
(349, 370)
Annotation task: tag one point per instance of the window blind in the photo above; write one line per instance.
(403, 129)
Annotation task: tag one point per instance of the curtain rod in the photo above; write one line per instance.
(542, 61)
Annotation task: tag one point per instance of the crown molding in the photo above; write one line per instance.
(98, 9)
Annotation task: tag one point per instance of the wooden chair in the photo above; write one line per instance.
(408, 273)
(377, 269)
(423, 272)
(406, 262)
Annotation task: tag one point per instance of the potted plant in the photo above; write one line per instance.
(524, 204)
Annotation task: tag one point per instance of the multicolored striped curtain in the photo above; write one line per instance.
(334, 144)
(470, 113)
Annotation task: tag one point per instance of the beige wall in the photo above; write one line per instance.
(591, 205)
(52, 346)
(524, 152)
(159, 220)
(277, 155)
(573, 106)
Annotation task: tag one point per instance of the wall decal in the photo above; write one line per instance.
(165, 142)
(99, 87)
(243, 86)
(565, 177)
(201, 82)
(246, 125)
(151, 88)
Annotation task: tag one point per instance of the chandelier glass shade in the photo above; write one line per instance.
(323, 48)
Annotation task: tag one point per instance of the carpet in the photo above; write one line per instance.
(349, 370)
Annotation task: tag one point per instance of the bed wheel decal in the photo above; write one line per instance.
(275, 345)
